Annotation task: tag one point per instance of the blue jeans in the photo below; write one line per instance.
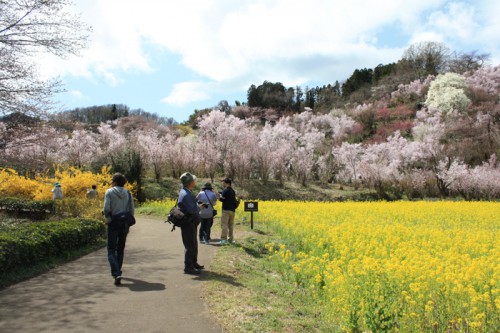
(116, 249)
(206, 225)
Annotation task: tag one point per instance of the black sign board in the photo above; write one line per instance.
(251, 206)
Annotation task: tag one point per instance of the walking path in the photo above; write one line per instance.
(155, 296)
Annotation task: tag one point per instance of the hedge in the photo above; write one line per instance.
(27, 207)
(28, 244)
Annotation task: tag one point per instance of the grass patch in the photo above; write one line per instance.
(24, 273)
(246, 293)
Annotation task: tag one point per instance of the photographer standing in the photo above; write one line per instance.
(229, 205)
(208, 198)
(188, 205)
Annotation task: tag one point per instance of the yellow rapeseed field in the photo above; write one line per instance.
(401, 266)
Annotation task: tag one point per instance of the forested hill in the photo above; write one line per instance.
(270, 101)
(102, 113)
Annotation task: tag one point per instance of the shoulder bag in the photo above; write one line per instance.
(176, 217)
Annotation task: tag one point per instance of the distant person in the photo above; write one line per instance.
(228, 198)
(92, 194)
(188, 205)
(208, 198)
(117, 200)
(57, 191)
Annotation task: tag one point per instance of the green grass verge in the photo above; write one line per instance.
(246, 293)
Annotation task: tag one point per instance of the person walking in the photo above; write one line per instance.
(208, 199)
(229, 205)
(92, 194)
(117, 200)
(57, 191)
(188, 205)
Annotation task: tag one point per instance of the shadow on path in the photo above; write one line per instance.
(140, 285)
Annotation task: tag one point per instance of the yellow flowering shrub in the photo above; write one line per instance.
(74, 182)
(400, 266)
(14, 185)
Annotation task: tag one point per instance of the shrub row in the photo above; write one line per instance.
(27, 244)
(26, 207)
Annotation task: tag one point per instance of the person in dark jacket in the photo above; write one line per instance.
(117, 200)
(228, 198)
(188, 205)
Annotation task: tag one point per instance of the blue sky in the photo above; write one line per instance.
(171, 57)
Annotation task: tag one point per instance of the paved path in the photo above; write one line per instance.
(155, 296)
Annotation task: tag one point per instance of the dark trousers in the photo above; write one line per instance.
(116, 249)
(205, 227)
(188, 231)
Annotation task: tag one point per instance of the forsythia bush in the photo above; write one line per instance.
(388, 267)
(74, 182)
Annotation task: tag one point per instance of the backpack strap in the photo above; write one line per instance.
(129, 202)
(209, 201)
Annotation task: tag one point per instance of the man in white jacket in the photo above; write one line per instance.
(117, 200)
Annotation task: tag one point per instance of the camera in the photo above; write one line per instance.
(204, 205)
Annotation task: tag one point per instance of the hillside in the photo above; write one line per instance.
(436, 135)
(256, 190)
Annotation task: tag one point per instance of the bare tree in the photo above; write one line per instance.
(466, 62)
(27, 28)
(427, 58)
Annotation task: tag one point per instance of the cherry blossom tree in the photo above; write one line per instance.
(275, 147)
(110, 140)
(486, 79)
(234, 141)
(154, 149)
(349, 157)
(79, 148)
(31, 148)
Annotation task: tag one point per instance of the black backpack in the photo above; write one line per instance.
(236, 200)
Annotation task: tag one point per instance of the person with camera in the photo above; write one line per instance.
(117, 200)
(229, 205)
(208, 198)
(187, 203)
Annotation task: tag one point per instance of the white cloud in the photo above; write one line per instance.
(464, 26)
(115, 45)
(251, 40)
(457, 21)
(187, 92)
(76, 94)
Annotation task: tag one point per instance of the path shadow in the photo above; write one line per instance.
(140, 285)
(213, 276)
